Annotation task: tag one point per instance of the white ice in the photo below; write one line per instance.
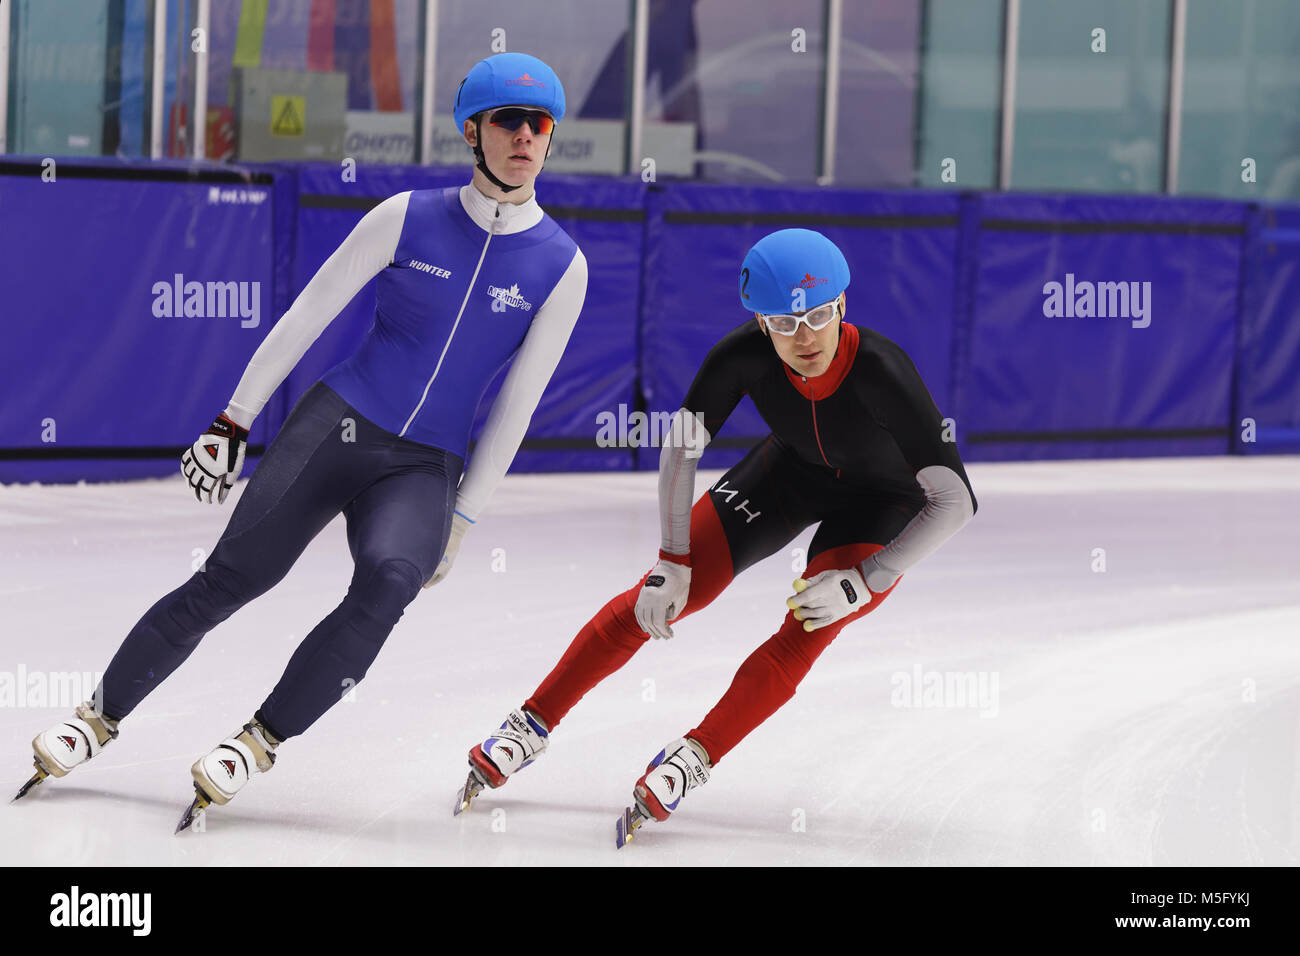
(1147, 713)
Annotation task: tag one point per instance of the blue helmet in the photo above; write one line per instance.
(784, 262)
(507, 79)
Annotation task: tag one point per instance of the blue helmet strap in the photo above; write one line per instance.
(482, 160)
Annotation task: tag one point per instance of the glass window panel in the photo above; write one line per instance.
(961, 93)
(1085, 120)
(730, 92)
(77, 77)
(1241, 99)
(875, 138)
(306, 79)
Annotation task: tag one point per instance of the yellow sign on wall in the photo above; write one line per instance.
(288, 115)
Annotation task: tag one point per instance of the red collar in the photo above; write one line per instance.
(823, 385)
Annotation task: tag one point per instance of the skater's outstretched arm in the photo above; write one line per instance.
(367, 251)
(534, 364)
(898, 399)
(212, 464)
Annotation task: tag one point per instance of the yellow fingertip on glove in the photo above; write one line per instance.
(808, 626)
(797, 615)
(799, 585)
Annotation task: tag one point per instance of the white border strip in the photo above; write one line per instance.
(1010, 56)
(636, 117)
(427, 110)
(202, 22)
(831, 119)
(1174, 130)
(159, 77)
(5, 14)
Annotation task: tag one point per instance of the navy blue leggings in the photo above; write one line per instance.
(397, 496)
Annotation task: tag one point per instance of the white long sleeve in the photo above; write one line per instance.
(534, 364)
(367, 251)
(948, 507)
(680, 456)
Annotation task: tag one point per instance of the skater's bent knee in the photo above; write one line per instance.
(393, 581)
(379, 596)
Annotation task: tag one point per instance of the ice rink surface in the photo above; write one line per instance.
(1147, 713)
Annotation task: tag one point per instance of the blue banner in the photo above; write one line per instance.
(131, 308)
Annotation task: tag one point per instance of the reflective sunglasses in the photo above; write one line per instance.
(513, 117)
(816, 319)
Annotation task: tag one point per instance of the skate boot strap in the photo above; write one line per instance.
(682, 755)
(523, 730)
(255, 746)
(101, 729)
(675, 771)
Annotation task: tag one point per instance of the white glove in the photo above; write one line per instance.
(459, 525)
(213, 462)
(663, 597)
(827, 597)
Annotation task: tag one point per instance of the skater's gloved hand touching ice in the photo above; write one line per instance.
(459, 525)
(827, 597)
(663, 597)
(212, 463)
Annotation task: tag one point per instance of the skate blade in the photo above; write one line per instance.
(40, 774)
(194, 810)
(625, 826)
(473, 787)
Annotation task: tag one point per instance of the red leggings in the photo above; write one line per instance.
(765, 681)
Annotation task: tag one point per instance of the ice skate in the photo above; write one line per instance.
(231, 764)
(679, 768)
(519, 741)
(69, 744)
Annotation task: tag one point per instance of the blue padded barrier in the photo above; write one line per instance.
(1078, 385)
(959, 280)
(92, 360)
(1268, 355)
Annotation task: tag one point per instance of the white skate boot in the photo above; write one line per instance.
(69, 744)
(677, 769)
(519, 741)
(220, 774)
